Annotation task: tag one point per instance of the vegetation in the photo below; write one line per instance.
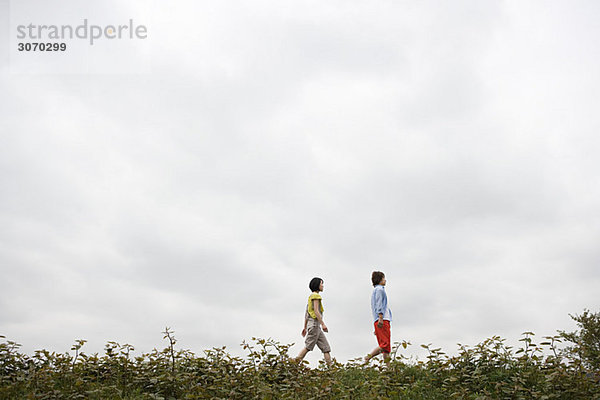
(564, 366)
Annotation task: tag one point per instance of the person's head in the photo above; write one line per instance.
(378, 278)
(316, 285)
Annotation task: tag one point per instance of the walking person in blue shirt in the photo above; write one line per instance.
(382, 315)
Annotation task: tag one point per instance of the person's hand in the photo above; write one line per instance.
(303, 332)
(380, 323)
(324, 327)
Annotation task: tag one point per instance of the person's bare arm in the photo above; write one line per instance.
(305, 322)
(318, 314)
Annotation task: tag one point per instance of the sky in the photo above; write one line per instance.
(200, 177)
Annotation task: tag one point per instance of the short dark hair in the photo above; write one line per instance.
(376, 277)
(314, 284)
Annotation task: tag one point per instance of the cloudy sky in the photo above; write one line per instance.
(199, 178)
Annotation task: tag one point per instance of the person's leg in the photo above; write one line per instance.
(383, 340)
(302, 354)
(309, 344)
(386, 357)
(386, 345)
(376, 351)
(323, 345)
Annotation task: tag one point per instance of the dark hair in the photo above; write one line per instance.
(314, 284)
(376, 277)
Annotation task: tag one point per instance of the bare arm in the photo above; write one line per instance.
(318, 314)
(305, 322)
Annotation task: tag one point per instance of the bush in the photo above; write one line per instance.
(489, 370)
(585, 343)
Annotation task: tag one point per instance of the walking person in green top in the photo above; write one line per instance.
(314, 327)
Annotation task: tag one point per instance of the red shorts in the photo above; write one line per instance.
(383, 336)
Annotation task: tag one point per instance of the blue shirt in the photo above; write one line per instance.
(379, 304)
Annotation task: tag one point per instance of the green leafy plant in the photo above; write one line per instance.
(585, 343)
(564, 366)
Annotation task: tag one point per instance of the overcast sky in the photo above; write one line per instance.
(452, 145)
